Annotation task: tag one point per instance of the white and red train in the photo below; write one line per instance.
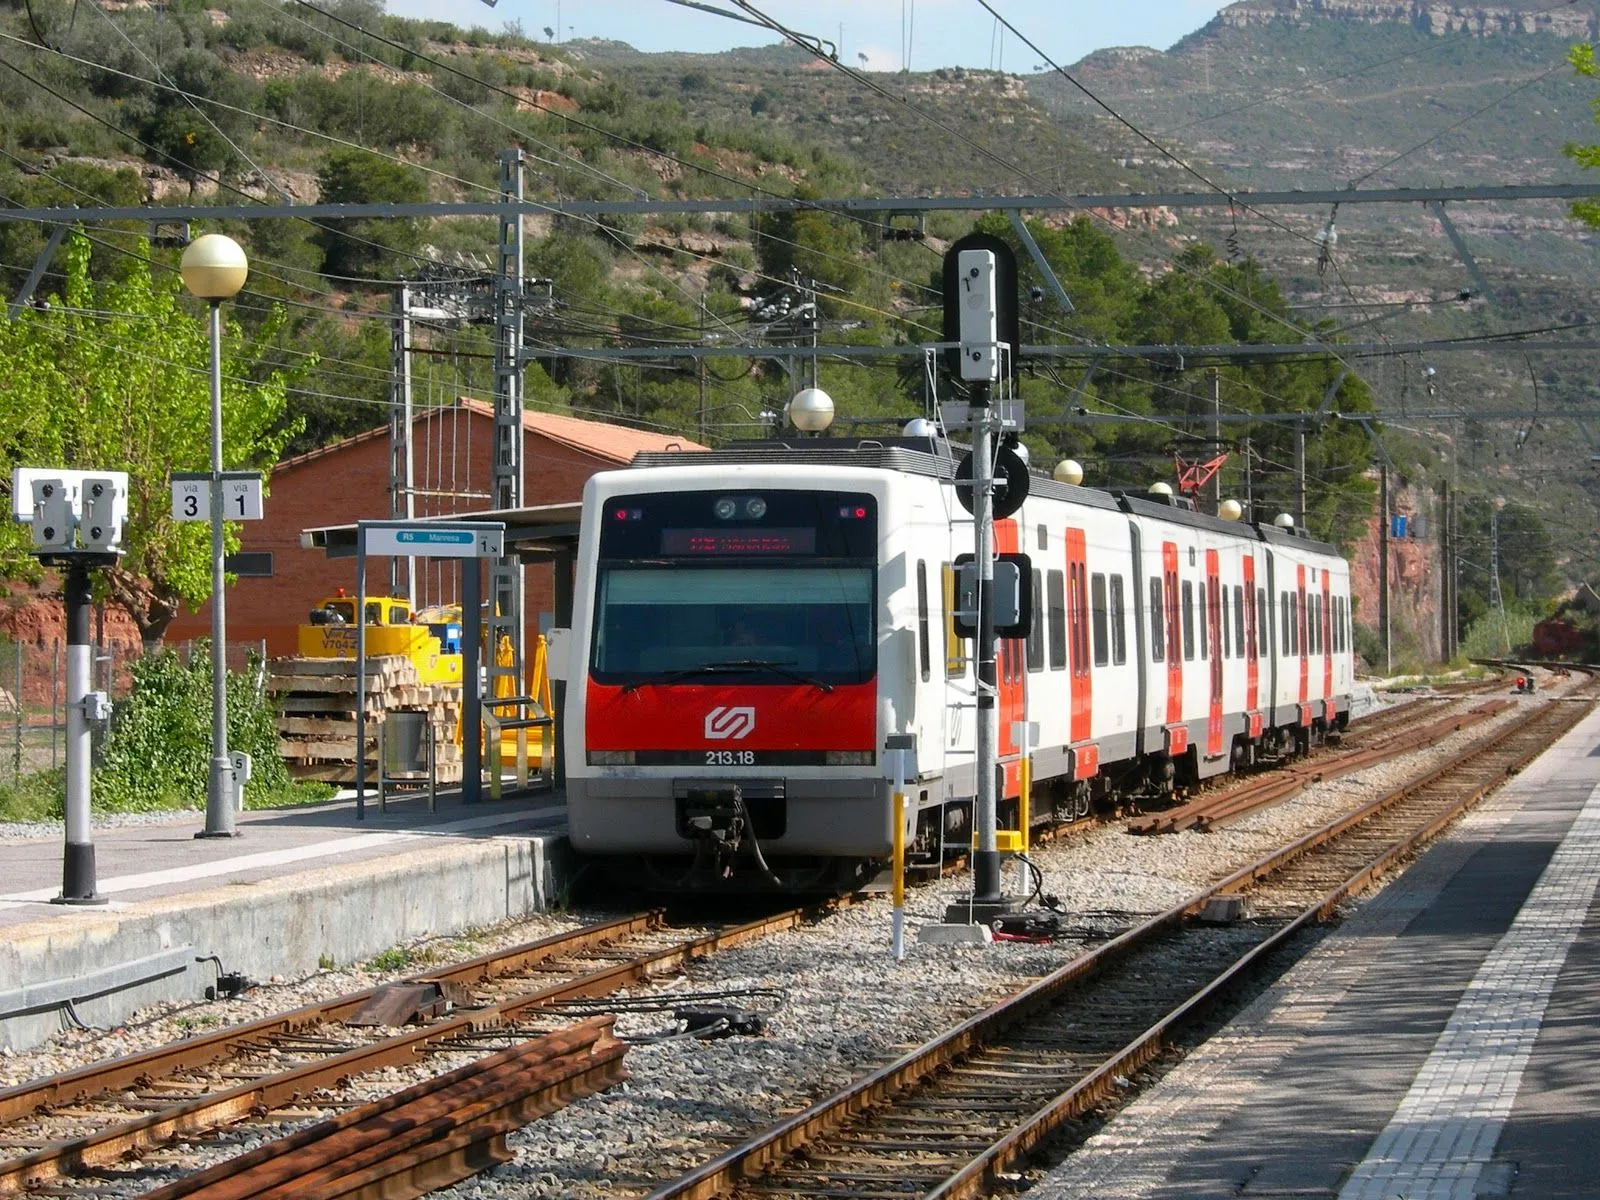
(751, 624)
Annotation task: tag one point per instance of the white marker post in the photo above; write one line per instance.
(898, 753)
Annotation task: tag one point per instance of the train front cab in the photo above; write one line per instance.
(727, 714)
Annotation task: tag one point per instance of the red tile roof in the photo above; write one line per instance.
(610, 443)
(615, 443)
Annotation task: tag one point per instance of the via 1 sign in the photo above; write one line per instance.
(241, 496)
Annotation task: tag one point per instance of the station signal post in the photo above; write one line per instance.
(76, 520)
(981, 319)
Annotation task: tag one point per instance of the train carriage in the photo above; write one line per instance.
(751, 624)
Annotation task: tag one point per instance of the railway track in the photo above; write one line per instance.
(948, 1118)
(90, 1124)
(1370, 746)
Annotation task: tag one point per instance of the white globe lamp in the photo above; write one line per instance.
(811, 410)
(1230, 510)
(920, 427)
(1284, 520)
(1160, 489)
(1068, 470)
(214, 267)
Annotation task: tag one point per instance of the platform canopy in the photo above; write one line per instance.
(538, 534)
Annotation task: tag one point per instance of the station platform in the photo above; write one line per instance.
(1439, 1044)
(297, 888)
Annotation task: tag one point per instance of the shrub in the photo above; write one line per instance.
(158, 754)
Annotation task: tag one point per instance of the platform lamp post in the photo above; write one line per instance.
(214, 268)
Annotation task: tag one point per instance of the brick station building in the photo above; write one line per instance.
(339, 484)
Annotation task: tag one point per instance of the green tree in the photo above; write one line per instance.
(1529, 576)
(1583, 61)
(368, 247)
(114, 377)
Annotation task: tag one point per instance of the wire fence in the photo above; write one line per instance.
(33, 697)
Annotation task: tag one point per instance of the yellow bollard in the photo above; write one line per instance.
(1023, 812)
(898, 939)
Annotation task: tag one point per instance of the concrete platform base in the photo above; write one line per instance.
(163, 938)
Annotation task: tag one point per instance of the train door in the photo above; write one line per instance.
(1213, 619)
(1169, 579)
(1252, 661)
(1326, 619)
(1302, 629)
(1009, 668)
(1078, 637)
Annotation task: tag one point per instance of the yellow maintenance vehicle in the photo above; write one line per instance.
(431, 639)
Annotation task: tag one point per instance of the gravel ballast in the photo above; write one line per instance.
(846, 1005)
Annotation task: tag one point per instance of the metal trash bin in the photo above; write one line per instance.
(407, 755)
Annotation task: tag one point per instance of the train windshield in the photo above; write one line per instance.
(769, 588)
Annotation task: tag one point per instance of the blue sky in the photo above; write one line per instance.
(942, 32)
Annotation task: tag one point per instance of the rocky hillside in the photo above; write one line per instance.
(1479, 20)
(252, 99)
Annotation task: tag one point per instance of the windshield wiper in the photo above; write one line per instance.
(737, 666)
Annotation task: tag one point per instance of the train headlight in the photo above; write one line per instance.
(611, 758)
(848, 758)
(725, 508)
(755, 508)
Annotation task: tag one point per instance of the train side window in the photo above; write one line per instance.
(1227, 632)
(1296, 611)
(924, 659)
(1057, 588)
(1044, 538)
(1284, 624)
(1187, 609)
(1238, 618)
(955, 650)
(1119, 631)
(1263, 622)
(1036, 629)
(1204, 614)
(1158, 621)
(1344, 635)
(1098, 609)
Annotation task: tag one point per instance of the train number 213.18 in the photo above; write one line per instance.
(730, 758)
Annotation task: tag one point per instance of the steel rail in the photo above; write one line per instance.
(1289, 780)
(749, 1161)
(85, 1082)
(427, 1136)
(103, 1147)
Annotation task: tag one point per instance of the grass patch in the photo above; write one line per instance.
(39, 796)
(395, 958)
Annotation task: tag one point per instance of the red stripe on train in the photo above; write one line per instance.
(723, 716)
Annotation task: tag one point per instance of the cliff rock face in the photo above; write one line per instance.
(1576, 23)
(1414, 579)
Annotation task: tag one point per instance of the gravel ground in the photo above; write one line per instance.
(846, 1005)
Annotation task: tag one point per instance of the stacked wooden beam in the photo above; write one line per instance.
(316, 704)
